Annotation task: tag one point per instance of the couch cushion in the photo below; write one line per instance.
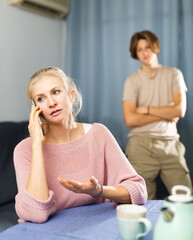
(8, 216)
(11, 133)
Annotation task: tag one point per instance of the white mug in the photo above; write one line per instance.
(132, 221)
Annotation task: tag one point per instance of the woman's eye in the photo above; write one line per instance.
(40, 99)
(56, 91)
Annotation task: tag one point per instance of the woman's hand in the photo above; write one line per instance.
(34, 126)
(118, 194)
(37, 182)
(91, 187)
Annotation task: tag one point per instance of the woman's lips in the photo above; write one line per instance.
(56, 112)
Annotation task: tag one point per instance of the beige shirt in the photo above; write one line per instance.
(157, 91)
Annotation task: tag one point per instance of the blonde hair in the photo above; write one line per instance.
(150, 37)
(68, 84)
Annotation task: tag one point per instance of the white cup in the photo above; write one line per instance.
(132, 221)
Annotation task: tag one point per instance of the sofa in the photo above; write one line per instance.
(11, 133)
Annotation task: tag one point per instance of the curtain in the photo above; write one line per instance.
(98, 58)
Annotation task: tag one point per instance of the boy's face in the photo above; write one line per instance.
(144, 52)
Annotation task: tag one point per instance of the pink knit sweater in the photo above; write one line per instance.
(95, 154)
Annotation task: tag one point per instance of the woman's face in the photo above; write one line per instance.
(51, 96)
(144, 52)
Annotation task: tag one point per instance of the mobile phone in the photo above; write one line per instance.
(41, 124)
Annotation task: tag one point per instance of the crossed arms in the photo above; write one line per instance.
(138, 116)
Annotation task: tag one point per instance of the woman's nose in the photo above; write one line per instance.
(51, 102)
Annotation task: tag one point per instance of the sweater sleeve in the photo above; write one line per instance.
(28, 207)
(119, 171)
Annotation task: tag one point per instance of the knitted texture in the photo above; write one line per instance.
(95, 154)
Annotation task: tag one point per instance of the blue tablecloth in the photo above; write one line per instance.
(91, 222)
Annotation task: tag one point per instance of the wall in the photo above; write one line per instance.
(28, 41)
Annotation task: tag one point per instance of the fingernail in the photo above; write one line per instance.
(59, 179)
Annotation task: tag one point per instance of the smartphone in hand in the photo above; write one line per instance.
(42, 126)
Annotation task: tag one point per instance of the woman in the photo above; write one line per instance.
(74, 164)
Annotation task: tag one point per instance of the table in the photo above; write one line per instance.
(90, 222)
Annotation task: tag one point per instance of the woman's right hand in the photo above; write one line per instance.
(37, 182)
(34, 126)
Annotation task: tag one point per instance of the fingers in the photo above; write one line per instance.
(176, 119)
(93, 180)
(71, 185)
(35, 112)
(64, 183)
(78, 187)
(60, 179)
(34, 126)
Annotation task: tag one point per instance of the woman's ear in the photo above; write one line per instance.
(72, 95)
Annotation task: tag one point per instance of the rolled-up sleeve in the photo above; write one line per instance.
(29, 208)
(119, 171)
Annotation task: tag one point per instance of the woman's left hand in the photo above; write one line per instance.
(91, 187)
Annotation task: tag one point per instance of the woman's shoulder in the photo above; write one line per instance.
(101, 129)
(23, 144)
(99, 126)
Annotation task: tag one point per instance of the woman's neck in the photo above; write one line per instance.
(59, 134)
